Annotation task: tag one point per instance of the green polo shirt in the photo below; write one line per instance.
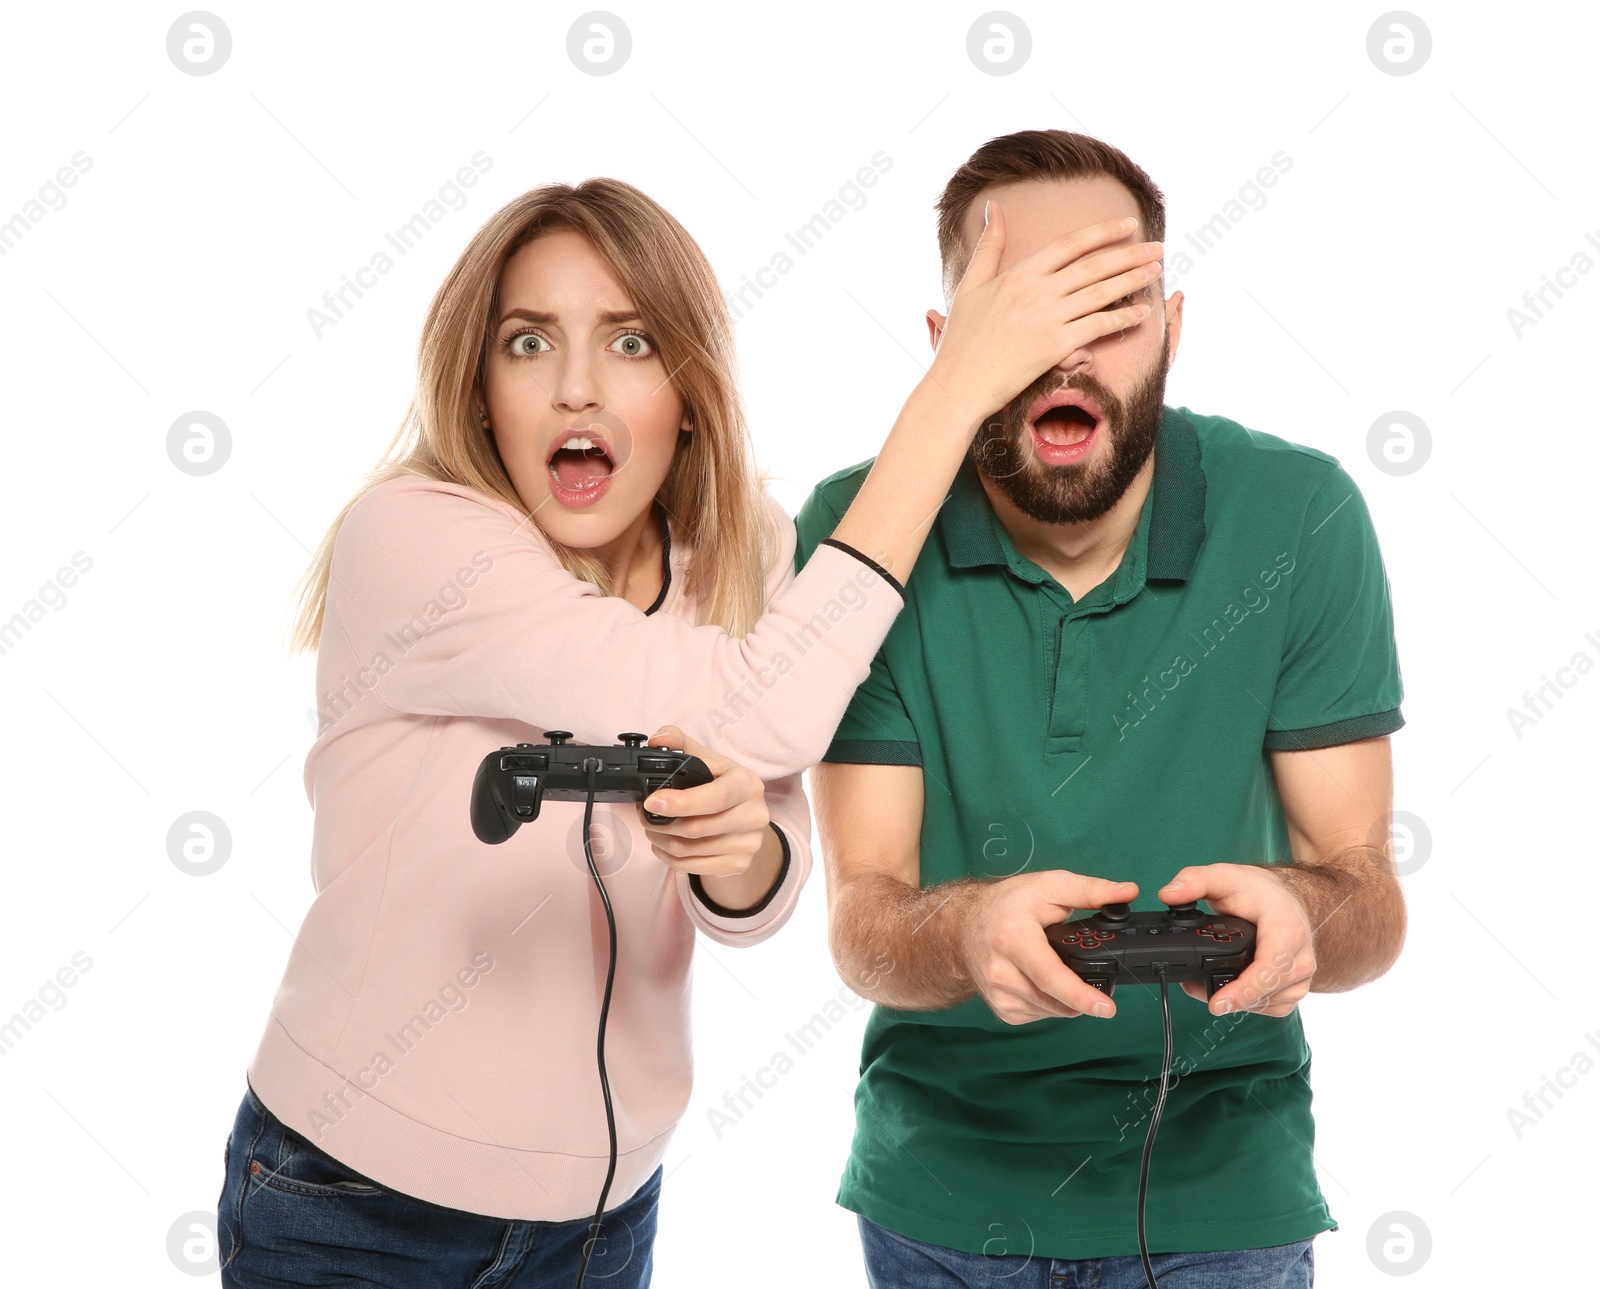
(1124, 735)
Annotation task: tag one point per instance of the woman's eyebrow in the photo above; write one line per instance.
(535, 315)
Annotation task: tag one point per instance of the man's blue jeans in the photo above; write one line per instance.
(895, 1261)
(290, 1214)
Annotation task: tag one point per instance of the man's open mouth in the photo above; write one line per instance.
(1064, 417)
(580, 460)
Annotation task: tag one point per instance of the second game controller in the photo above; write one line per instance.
(1117, 946)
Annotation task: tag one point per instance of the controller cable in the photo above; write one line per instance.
(1155, 1119)
(592, 765)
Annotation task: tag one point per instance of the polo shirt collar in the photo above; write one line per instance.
(1176, 511)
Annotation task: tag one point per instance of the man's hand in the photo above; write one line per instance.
(718, 828)
(1284, 962)
(1007, 956)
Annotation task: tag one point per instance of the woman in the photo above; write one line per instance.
(574, 537)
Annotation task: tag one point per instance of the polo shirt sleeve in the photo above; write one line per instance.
(1339, 679)
(876, 729)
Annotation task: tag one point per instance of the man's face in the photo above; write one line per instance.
(1057, 462)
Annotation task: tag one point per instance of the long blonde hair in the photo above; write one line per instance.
(712, 491)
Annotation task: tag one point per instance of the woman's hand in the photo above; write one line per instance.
(1006, 329)
(719, 828)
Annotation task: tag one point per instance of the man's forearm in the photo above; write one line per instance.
(920, 931)
(1357, 914)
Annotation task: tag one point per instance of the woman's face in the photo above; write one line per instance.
(570, 364)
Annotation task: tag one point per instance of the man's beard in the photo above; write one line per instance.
(1070, 494)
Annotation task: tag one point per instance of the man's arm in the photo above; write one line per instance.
(946, 942)
(1344, 919)
(1338, 801)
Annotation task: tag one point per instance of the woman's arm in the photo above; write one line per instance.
(443, 601)
(790, 829)
(449, 602)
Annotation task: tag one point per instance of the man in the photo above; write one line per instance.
(1147, 657)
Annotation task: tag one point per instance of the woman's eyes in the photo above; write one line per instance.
(514, 344)
(641, 346)
(635, 344)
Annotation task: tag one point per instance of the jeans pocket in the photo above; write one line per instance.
(288, 1162)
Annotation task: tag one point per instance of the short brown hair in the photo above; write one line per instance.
(1037, 154)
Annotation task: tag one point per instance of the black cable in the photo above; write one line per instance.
(1155, 1118)
(592, 766)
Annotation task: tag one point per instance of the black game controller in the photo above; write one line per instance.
(1116, 946)
(513, 782)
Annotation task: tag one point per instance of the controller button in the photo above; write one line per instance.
(1116, 913)
(558, 737)
(523, 795)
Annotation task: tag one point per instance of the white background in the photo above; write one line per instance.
(218, 209)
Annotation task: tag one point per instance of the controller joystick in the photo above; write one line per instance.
(512, 783)
(1116, 946)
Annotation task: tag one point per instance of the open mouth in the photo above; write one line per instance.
(1064, 425)
(1065, 417)
(580, 461)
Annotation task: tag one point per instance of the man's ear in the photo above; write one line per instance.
(936, 321)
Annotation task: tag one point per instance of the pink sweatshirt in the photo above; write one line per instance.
(435, 1026)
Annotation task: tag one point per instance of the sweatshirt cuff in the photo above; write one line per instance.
(713, 907)
(870, 563)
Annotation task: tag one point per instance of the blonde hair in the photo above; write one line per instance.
(712, 491)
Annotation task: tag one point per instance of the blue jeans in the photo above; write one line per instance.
(896, 1261)
(303, 1218)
